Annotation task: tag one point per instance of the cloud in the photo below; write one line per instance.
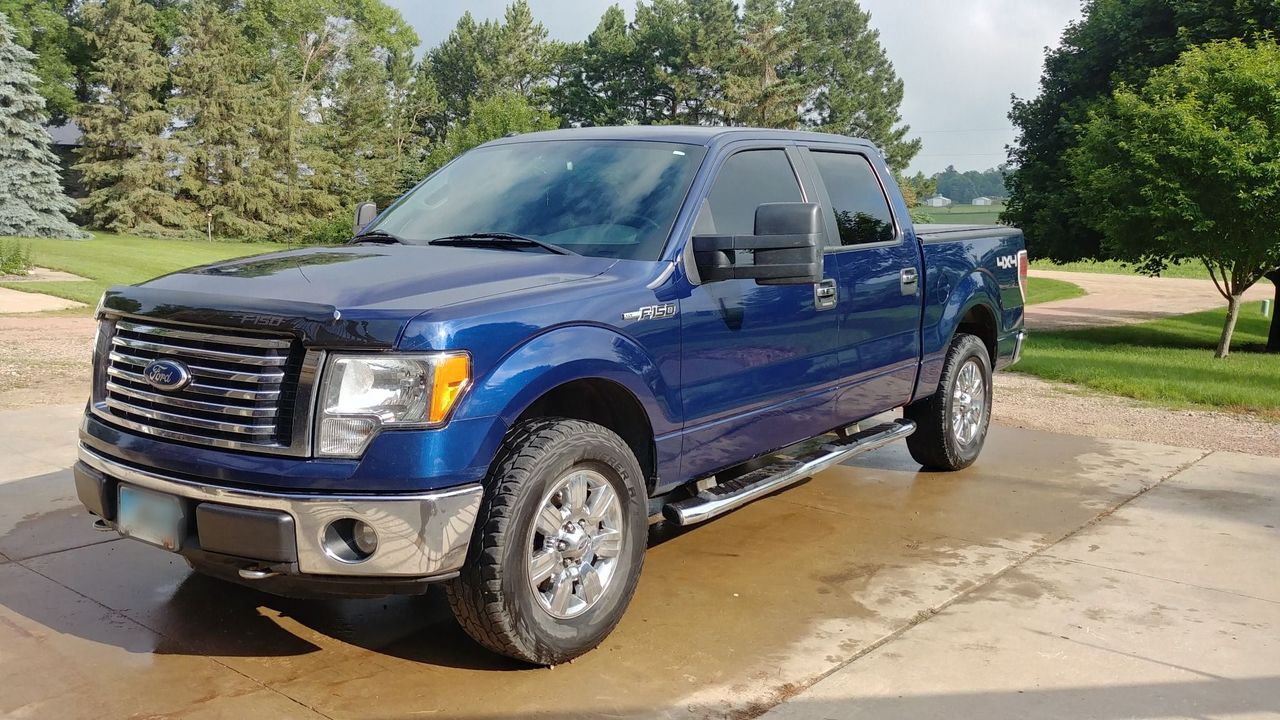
(961, 61)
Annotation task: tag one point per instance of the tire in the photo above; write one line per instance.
(943, 440)
(542, 462)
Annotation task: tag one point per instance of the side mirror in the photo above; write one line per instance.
(365, 213)
(786, 248)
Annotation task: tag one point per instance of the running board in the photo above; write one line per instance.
(720, 499)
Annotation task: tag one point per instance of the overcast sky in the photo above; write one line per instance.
(960, 61)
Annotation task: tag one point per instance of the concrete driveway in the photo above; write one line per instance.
(1059, 577)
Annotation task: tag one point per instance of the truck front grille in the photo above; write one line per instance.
(245, 389)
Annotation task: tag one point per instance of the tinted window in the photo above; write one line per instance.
(862, 212)
(747, 180)
(608, 199)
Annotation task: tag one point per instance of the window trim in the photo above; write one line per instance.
(834, 242)
(715, 161)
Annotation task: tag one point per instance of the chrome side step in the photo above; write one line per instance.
(735, 493)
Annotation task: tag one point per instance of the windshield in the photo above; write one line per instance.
(615, 199)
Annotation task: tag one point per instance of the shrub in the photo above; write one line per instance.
(15, 258)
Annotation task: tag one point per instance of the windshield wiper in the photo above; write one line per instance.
(379, 236)
(499, 238)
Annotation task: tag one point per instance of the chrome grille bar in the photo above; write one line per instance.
(184, 351)
(197, 422)
(247, 389)
(270, 376)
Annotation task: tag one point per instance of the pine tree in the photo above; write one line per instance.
(360, 131)
(124, 159)
(759, 90)
(215, 104)
(853, 87)
(32, 203)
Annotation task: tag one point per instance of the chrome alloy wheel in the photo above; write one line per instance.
(968, 403)
(575, 543)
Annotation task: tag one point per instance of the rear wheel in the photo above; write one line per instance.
(951, 425)
(559, 543)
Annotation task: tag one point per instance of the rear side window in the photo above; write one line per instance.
(746, 180)
(862, 212)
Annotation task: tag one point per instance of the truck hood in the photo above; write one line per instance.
(343, 296)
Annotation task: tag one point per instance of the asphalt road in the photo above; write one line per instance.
(1059, 577)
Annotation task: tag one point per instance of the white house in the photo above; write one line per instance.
(983, 201)
(938, 201)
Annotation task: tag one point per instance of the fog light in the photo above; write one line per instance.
(350, 540)
(366, 538)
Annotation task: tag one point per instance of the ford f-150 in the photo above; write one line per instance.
(543, 346)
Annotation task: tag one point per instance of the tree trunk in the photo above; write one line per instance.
(1273, 337)
(1233, 314)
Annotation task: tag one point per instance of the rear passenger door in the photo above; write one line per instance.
(880, 279)
(760, 363)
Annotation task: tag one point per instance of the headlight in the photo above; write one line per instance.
(363, 393)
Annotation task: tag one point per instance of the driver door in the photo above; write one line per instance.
(760, 363)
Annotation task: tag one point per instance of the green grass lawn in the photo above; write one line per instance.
(1166, 361)
(108, 259)
(963, 214)
(1043, 290)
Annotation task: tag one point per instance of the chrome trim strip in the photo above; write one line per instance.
(99, 410)
(200, 370)
(183, 351)
(197, 422)
(221, 339)
(202, 388)
(240, 410)
(418, 535)
(704, 506)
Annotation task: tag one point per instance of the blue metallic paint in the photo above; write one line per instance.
(743, 370)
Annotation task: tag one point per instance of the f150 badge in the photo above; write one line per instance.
(651, 312)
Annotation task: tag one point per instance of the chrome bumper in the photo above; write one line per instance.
(418, 535)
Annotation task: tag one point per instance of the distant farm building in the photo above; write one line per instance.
(983, 201)
(938, 201)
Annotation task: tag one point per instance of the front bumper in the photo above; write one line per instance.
(420, 536)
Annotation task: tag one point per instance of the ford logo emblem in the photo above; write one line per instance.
(167, 374)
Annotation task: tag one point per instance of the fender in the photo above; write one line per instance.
(565, 354)
(979, 287)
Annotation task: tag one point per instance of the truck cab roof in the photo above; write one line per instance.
(706, 136)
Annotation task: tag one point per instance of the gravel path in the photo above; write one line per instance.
(44, 360)
(1123, 299)
(1027, 402)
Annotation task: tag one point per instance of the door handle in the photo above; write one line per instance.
(825, 295)
(910, 279)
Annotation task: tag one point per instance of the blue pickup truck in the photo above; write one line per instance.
(549, 343)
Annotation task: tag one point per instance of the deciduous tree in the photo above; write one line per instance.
(1188, 167)
(1116, 42)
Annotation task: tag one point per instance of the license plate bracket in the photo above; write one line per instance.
(151, 517)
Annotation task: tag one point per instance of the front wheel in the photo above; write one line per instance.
(951, 425)
(559, 543)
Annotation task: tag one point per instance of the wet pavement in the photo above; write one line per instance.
(731, 617)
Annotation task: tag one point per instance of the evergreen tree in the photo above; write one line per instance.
(853, 89)
(759, 89)
(361, 134)
(604, 73)
(215, 107)
(708, 36)
(124, 159)
(415, 110)
(31, 200)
